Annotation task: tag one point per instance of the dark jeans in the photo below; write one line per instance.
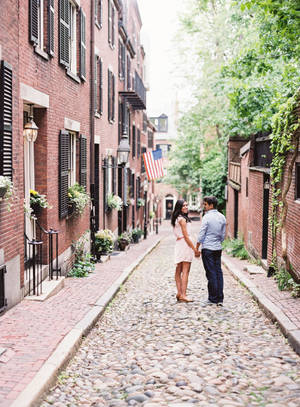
(212, 264)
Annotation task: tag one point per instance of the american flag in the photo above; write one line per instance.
(154, 164)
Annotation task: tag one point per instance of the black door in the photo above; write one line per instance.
(236, 213)
(169, 208)
(120, 193)
(265, 225)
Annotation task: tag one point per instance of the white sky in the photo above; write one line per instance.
(160, 23)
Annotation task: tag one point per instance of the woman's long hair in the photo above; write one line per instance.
(178, 212)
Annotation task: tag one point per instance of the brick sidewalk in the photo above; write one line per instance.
(267, 285)
(31, 331)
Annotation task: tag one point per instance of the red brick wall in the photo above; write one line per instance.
(292, 228)
(66, 101)
(11, 223)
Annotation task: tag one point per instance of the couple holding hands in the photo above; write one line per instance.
(210, 238)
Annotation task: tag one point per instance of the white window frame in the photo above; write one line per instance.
(109, 175)
(73, 39)
(72, 159)
(41, 25)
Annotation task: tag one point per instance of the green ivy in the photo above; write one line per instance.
(284, 126)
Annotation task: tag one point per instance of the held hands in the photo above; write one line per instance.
(197, 253)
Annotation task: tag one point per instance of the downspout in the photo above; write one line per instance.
(92, 129)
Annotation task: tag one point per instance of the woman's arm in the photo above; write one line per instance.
(182, 223)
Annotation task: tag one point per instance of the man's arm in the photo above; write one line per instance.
(223, 231)
(202, 232)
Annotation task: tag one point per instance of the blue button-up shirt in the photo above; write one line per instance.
(212, 231)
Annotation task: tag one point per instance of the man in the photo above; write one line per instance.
(211, 236)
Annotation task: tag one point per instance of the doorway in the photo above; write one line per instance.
(169, 206)
(236, 214)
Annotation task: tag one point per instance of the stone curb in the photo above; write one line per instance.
(47, 374)
(288, 328)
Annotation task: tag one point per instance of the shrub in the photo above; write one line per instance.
(140, 202)
(125, 236)
(83, 264)
(104, 241)
(114, 202)
(236, 248)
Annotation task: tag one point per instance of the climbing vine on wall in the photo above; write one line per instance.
(285, 140)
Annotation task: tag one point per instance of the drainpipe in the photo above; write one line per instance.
(92, 129)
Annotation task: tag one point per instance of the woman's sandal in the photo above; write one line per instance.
(180, 299)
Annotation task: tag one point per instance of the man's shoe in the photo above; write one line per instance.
(207, 303)
(219, 304)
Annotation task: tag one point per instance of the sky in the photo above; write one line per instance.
(160, 22)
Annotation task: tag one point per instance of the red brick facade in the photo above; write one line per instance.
(51, 81)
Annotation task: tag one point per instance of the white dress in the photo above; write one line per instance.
(183, 252)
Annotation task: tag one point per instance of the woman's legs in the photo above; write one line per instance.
(178, 272)
(184, 278)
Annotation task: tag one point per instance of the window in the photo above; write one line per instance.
(98, 13)
(41, 26)
(121, 60)
(69, 25)
(150, 139)
(111, 23)
(98, 91)
(72, 159)
(164, 148)
(297, 186)
(72, 39)
(128, 73)
(144, 122)
(247, 186)
(143, 169)
(111, 96)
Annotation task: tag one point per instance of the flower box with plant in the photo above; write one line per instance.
(136, 234)
(140, 202)
(38, 201)
(124, 240)
(114, 202)
(104, 241)
(6, 189)
(78, 199)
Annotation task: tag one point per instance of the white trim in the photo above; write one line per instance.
(97, 140)
(97, 51)
(31, 95)
(72, 125)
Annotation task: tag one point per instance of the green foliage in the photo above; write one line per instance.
(136, 233)
(125, 236)
(104, 241)
(236, 248)
(214, 175)
(83, 264)
(78, 196)
(283, 279)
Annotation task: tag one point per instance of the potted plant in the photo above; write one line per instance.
(151, 214)
(114, 202)
(136, 234)
(104, 241)
(38, 201)
(78, 199)
(124, 240)
(6, 189)
(140, 202)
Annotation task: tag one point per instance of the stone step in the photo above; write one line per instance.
(49, 288)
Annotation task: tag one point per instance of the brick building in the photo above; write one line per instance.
(249, 200)
(75, 70)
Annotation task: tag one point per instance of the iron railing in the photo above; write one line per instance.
(3, 301)
(33, 265)
(51, 257)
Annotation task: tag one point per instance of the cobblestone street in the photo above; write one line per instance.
(148, 350)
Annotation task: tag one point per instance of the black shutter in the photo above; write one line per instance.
(64, 28)
(83, 161)
(120, 59)
(143, 169)
(109, 22)
(50, 45)
(109, 95)
(82, 45)
(114, 162)
(64, 146)
(96, 84)
(123, 61)
(100, 86)
(105, 169)
(133, 141)
(113, 97)
(113, 26)
(138, 143)
(6, 117)
(34, 21)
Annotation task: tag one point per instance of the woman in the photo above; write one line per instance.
(184, 248)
